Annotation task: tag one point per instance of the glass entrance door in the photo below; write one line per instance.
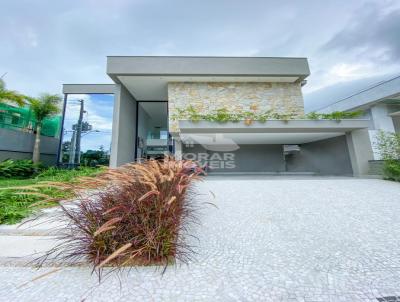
(152, 130)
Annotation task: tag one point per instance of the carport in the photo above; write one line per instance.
(323, 147)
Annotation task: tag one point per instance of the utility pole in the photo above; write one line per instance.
(75, 148)
(71, 162)
(79, 134)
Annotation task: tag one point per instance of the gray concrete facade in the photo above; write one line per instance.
(325, 157)
(123, 142)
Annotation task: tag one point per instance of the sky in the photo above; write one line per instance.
(350, 44)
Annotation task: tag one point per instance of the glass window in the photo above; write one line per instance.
(152, 132)
(87, 130)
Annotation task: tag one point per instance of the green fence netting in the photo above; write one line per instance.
(22, 118)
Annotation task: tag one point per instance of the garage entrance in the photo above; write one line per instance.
(324, 157)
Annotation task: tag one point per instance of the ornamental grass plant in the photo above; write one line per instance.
(137, 214)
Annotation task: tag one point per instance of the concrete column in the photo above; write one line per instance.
(123, 143)
(381, 120)
(360, 151)
(396, 123)
(178, 148)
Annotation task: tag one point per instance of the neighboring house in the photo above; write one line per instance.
(17, 137)
(381, 104)
(150, 92)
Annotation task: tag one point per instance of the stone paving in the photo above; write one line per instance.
(271, 239)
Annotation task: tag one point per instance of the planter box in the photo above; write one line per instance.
(274, 126)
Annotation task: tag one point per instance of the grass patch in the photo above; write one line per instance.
(16, 203)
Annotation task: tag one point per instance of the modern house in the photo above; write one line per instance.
(381, 104)
(153, 96)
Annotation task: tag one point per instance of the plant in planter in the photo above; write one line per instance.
(249, 117)
(312, 116)
(223, 115)
(336, 115)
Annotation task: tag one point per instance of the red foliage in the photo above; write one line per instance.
(138, 215)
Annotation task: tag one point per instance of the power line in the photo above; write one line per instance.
(360, 91)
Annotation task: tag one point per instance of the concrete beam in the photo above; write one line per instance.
(273, 126)
(381, 118)
(88, 88)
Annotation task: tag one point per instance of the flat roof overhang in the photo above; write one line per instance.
(270, 132)
(147, 77)
(88, 88)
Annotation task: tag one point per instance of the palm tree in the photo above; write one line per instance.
(43, 107)
(10, 95)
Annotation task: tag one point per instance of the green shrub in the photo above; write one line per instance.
(18, 196)
(13, 208)
(64, 175)
(391, 170)
(23, 168)
(222, 115)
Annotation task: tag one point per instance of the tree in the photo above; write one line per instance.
(95, 157)
(10, 95)
(43, 107)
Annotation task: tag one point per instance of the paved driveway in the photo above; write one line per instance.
(271, 239)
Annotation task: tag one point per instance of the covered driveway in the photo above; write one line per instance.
(323, 147)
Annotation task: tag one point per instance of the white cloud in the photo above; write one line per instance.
(344, 70)
(31, 38)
